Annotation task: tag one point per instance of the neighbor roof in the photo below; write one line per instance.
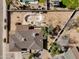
(72, 53)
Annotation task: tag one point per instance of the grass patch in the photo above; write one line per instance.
(42, 1)
(71, 4)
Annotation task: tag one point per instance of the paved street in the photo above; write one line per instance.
(1, 26)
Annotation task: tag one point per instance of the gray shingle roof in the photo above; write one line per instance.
(32, 42)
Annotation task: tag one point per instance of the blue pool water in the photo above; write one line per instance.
(28, 0)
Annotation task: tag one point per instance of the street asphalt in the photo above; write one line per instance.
(1, 26)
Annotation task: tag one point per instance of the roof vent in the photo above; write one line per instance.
(31, 27)
(25, 39)
(37, 34)
(18, 23)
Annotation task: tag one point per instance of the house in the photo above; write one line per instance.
(72, 53)
(26, 38)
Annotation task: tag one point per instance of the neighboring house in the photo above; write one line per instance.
(72, 53)
(61, 56)
(26, 38)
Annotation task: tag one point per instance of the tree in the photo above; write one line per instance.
(55, 49)
(72, 4)
(50, 29)
(31, 56)
(8, 2)
(45, 31)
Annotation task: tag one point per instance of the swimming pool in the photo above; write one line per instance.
(28, 1)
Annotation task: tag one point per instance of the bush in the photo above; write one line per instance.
(8, 2)
(71, 4)
(55, 49)
(41, 1)
(31, 56)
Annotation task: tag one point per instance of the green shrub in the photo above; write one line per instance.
(42, 1)
(55, 49)
(31, 56)
(71, 4)
(8, 2)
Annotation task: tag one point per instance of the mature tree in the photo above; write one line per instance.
(72, 4)
(55, 49)
(47, 30)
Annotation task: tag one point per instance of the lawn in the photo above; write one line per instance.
(42, 1)
(72, 4)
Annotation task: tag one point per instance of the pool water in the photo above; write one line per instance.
(27, 1)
